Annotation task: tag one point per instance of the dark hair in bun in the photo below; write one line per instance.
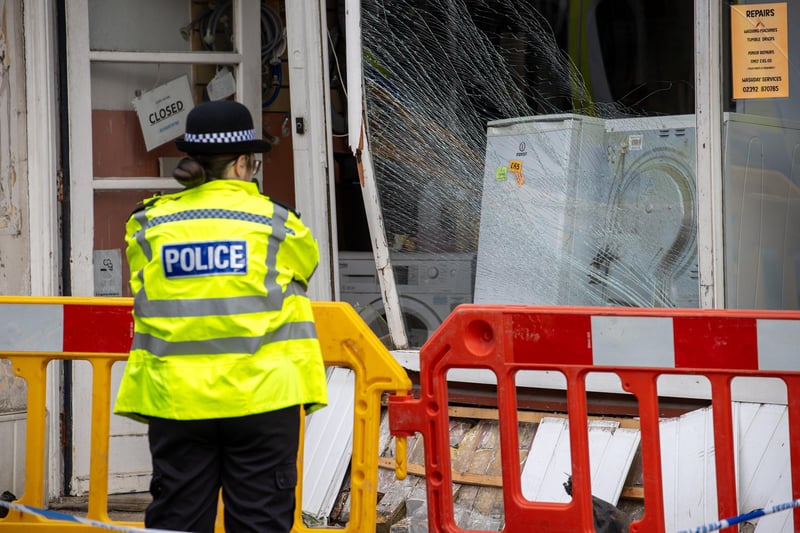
(189, 173)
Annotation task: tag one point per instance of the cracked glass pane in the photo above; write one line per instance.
(534, 152)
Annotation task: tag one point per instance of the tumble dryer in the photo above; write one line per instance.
(647, 254)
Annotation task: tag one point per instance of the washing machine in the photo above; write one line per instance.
(544, 187)
(429, 285)
(647, 253)
(652, 229)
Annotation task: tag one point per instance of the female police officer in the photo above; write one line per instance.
(225, 351)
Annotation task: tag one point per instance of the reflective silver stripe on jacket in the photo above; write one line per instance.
(274, 292)
(141, 218)
(235, 305)
(227, 345)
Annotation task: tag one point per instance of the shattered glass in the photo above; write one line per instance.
(551, 144)
(586, 218)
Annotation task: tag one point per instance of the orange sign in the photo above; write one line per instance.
(760, 51)
(515, 168)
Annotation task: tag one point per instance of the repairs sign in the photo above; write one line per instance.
(760, 50)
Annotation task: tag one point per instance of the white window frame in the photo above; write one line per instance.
(43, 209)
(309, 90)
(708, 112)
(246, 63)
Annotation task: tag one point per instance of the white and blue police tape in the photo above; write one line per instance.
(53, 515)
(743, 517)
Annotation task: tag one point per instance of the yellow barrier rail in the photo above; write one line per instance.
(98, 330)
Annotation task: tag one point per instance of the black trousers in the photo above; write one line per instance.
(253, 459)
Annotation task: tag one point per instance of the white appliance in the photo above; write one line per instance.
(604, 212)
(649, 245)
(544, 177)
(430, 286)
(761, 197)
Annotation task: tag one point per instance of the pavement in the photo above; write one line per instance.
(121, 507)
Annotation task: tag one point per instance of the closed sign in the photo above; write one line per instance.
(162, 112)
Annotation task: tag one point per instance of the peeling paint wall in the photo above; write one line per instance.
(14, 227)
(13, 390)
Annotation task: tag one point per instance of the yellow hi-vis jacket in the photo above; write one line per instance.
(223, 326)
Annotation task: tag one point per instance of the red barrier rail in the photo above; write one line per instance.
(638, 345)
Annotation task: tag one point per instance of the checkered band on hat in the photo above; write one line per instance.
(224, 137)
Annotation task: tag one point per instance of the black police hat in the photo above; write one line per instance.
(221, 127)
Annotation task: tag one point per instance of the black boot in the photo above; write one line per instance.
(6, 497)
